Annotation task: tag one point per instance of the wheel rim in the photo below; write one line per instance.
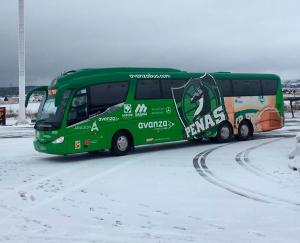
(122, 143)
(244, 130)
(224, 133)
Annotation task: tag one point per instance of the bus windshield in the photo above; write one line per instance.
(49, 115)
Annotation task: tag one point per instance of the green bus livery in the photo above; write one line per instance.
(90, 110)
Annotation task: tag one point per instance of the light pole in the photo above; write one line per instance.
(21, 54)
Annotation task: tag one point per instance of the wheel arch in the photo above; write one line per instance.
(226, 122)
(125, 131)
(245, 120)
(218, 137)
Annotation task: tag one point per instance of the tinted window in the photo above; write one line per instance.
(269, 86)
(245, 87)
(102, 96)
(226, 87)
(78, 109)
(148, 89)
(167, 86)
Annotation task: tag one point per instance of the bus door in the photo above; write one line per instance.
(82, 133)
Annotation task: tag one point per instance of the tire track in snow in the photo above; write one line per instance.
(207, 174)
(243, 160)
(201, 167)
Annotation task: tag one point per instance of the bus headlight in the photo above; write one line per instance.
(59, 140)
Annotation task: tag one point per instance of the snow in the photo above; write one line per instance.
(179, 192)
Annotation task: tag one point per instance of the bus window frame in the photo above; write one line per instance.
(260, 83)
(231, 86)
(70, 106)
(136, 85)
(160, 88)
(112, 82)
(87, 87)
(276, 89)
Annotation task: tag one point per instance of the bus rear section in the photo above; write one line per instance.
(253, 103)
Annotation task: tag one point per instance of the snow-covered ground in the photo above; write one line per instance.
(180, 192)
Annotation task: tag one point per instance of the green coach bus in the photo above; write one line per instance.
(90, 110)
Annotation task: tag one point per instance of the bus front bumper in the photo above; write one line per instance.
(50, 148)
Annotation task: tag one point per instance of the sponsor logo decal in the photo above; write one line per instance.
(161, 110)
(127, 108)
(200, 106)
(108, 119)
(156, 125)
(261, 99)
(141, 110)
(127, 111)
(149, 75)
(77, 144)
(168, 110)
(157, 111)
(82, 127)
(94, 127)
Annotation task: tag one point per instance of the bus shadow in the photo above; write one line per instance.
(76, 157)
(106, 154)
(170, 146)
(151, 148)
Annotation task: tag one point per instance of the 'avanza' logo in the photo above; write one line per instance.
(157, 125)
(141, 110)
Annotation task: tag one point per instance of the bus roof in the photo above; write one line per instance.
(75, 74)
(229, 75)
(93, 75)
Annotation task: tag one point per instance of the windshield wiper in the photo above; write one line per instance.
(40, 120)
(43, 123)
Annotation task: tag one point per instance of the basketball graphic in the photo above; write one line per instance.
(268, 119)
(199, 105)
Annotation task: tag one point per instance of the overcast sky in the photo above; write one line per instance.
(193, 35)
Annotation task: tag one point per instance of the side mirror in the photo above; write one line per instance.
(38, 89)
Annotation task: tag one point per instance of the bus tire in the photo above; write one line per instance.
(224, 133)
(245, 130)
(121, 143)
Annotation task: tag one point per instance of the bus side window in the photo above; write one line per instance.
(226, 87)
(148, 89)
(105, 95)
(78, 109)
(168, 84)
(246, 87)
(269, 86)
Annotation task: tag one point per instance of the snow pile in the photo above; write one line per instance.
(294, 155)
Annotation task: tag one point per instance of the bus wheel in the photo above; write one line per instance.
(224, 133)
(244, 131)
(121, 144)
